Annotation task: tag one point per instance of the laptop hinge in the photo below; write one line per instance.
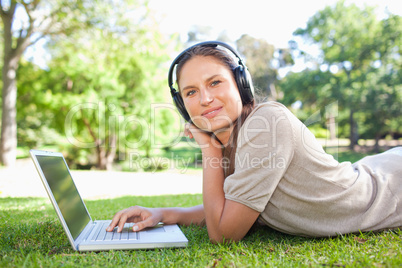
(85, 234)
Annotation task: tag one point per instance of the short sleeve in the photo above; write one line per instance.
(265, 148)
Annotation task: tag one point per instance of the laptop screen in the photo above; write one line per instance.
(64, 191)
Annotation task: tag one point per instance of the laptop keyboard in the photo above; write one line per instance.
(126, 234)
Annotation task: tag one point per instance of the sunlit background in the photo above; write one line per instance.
(274, 21)
(95, 87)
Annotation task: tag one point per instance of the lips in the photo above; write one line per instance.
(210, 113)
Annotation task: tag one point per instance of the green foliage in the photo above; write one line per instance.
(345, 34)
(32, 236)
(182, 156)
(259, 55)
(24, 23)
(382, 95)
(362, 55)
(34, 119)
(103, 89)
(312, 87)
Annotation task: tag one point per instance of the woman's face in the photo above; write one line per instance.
(210, 94)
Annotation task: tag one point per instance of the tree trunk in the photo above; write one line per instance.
(8, 144)
(272, 92)
(354, 135)
(106, 156)
(8, 140)
(377, 143)
(331, 126)
(12, 54)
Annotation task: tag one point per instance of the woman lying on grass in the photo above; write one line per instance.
(261, 162)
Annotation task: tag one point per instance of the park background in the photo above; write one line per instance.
(89, 79)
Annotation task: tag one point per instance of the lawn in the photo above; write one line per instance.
(31, 236)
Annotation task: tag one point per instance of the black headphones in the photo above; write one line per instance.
(241, 74)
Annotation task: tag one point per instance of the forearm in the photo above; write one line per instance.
(225, 219)
(184, 216)
(213, 194)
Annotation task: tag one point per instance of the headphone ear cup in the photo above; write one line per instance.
(244, 84)
(178, 101)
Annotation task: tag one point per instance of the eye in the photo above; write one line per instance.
(215, 83)
(190, 92)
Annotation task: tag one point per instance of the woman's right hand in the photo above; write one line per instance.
(202, 138)
(141, 216)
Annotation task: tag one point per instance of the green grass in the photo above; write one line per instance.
(347, 155)
(31, 236)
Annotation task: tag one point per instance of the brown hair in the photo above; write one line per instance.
(229, 151)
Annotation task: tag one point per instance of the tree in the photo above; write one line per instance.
(198, 33)
(259, 54)
(346, 36)
(315, 90)
(35, 20)
(312, 87)
(34, 118)
(383, 83)
(104, 83)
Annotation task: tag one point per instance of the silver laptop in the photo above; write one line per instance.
(84, 233)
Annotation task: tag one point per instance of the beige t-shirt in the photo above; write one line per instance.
(282, 172)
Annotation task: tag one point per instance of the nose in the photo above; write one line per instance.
(206, 97)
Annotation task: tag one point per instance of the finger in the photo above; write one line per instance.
(121, 218)
(122, 221)
(114, 222)
(148, 222)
